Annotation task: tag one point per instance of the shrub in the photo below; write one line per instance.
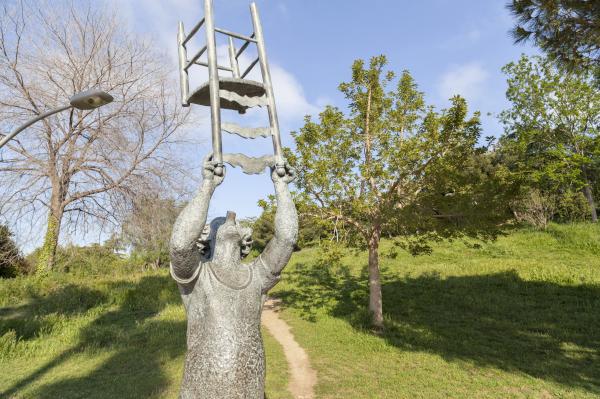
(539, 208)
(535, 208)
(12, 262)
(94, 259)
(572, 207)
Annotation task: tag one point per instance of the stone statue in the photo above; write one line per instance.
(223, 297)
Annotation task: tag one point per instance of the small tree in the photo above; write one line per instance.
(395, 166)
(551, 128)
(147, 227)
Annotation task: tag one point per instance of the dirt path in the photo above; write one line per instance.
(303, 377)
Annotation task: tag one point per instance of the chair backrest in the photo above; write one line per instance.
(185, 64)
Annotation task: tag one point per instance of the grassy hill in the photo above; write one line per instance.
(517, 318)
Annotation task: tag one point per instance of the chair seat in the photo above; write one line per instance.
(241, 87)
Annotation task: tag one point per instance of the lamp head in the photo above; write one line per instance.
(90, 99)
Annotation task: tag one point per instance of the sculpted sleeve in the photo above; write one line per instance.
(269, 277)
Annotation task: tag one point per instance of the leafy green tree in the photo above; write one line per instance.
(567, 30)
(264, 226)
(394, 166)
(12, 262)
(310, 230)
(551, 128)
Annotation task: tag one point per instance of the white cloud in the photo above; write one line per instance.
(289, 95)
(159, 18)
(290, 99)
(467, 80)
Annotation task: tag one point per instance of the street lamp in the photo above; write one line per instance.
(85, 100)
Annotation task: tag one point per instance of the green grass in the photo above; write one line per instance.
(516, 318)
(100, 337)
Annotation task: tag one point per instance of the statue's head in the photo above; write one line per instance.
(226, 232)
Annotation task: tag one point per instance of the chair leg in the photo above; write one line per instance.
(266, 75)
(184, 83)
(213, 79)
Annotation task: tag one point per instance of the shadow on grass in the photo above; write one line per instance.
(545, 330)
(28, 320)
(138, 344)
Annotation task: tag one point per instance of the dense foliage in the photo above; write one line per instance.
(310, 230)
(551, 142)
(12, 262)
(567, 30)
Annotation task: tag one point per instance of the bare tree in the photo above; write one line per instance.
(82, 167)
(147, 227)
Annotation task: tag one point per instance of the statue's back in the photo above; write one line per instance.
(225, 357)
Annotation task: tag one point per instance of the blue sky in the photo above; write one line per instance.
(450, 47)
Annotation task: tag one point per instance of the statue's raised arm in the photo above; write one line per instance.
(189, 226)
(279, 250)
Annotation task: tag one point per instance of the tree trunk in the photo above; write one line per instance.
(47, 257)
(375, 302)
(587, 192)
(60, 184)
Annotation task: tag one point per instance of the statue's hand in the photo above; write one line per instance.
(208, 171)
(288, 177)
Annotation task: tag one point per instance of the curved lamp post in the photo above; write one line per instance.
(85, 100)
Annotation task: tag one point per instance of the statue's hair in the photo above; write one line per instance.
(206, 242)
